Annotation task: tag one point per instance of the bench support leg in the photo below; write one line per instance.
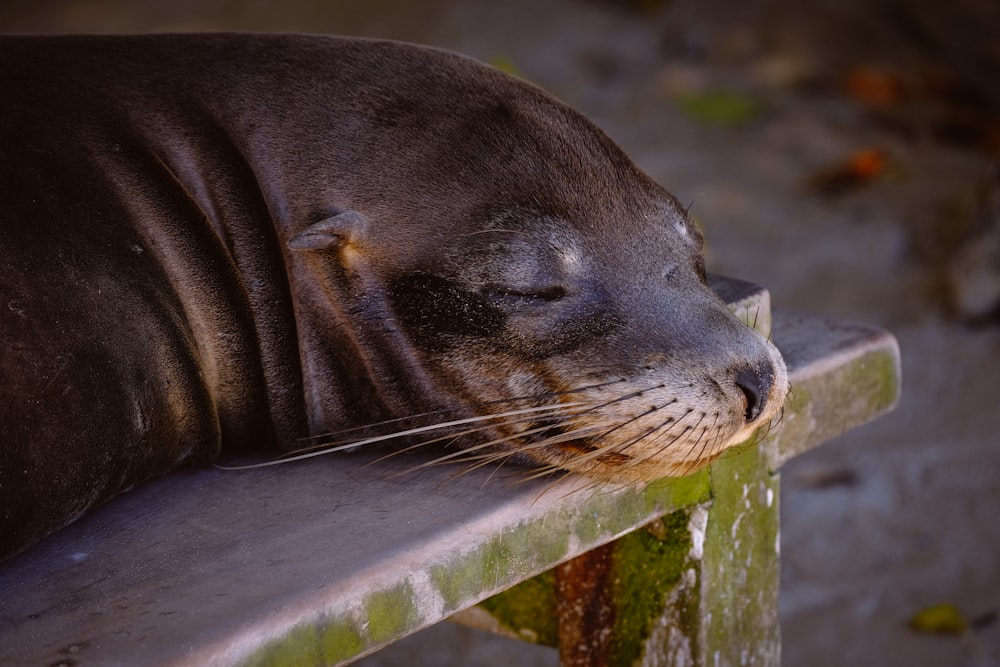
(698, 587)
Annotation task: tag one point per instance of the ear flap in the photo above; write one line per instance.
(333, 232)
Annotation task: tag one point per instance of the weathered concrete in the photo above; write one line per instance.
(700, 586)
(325, 561)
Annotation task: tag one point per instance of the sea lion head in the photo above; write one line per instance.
(506, 258)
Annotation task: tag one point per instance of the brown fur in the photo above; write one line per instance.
(243, 240)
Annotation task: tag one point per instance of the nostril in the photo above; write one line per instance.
(755, 385)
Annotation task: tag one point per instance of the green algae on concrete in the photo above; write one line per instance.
(324, 643)
(696, 587)
(652, 573)
(647, 570)
(598, 517)
(391, 613)
(501, 561)
(673, 493)
(654, 579)
(739, 585)
(528, 610)
(388, 614)
(298, 647)
(825, 404)
(342, 641)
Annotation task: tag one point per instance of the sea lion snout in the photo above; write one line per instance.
(630, 372)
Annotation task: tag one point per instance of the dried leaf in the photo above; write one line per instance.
(875, 87)
(860, 168)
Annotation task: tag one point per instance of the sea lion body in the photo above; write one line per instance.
(241, 241)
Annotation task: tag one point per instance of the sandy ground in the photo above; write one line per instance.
(892, 518)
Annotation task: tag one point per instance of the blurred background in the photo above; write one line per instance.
(842, 153)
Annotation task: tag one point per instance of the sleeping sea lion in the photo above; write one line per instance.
(241, 241)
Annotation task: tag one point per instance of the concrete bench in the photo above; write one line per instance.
(326, 560)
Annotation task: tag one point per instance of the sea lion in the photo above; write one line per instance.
(241, 241)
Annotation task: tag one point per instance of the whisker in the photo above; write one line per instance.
(600, 436)
(544, 471)
(701, 452)
(454, 457)
(773, 424)
(569, 436)
(602, 450)
(687, 456)
(619, 425)
(401, 434)
(565, 408)
(649, 432)
(494, 472)
(557, 414)
(677, 423)
(492, 457)
(598, 452)
(432, 441)
(625, 397)
(501, 401)
(612, 448)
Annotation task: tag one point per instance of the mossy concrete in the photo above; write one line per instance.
(387, 615)
(345, 557)
(700, 586)
(528, 610)
(647, 569)
(597, 515)
(739, 584)
(833, 388)
(697, 587)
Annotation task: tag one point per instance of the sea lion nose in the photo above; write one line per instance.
(755, 383)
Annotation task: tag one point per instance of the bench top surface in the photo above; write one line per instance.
(211, 567)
